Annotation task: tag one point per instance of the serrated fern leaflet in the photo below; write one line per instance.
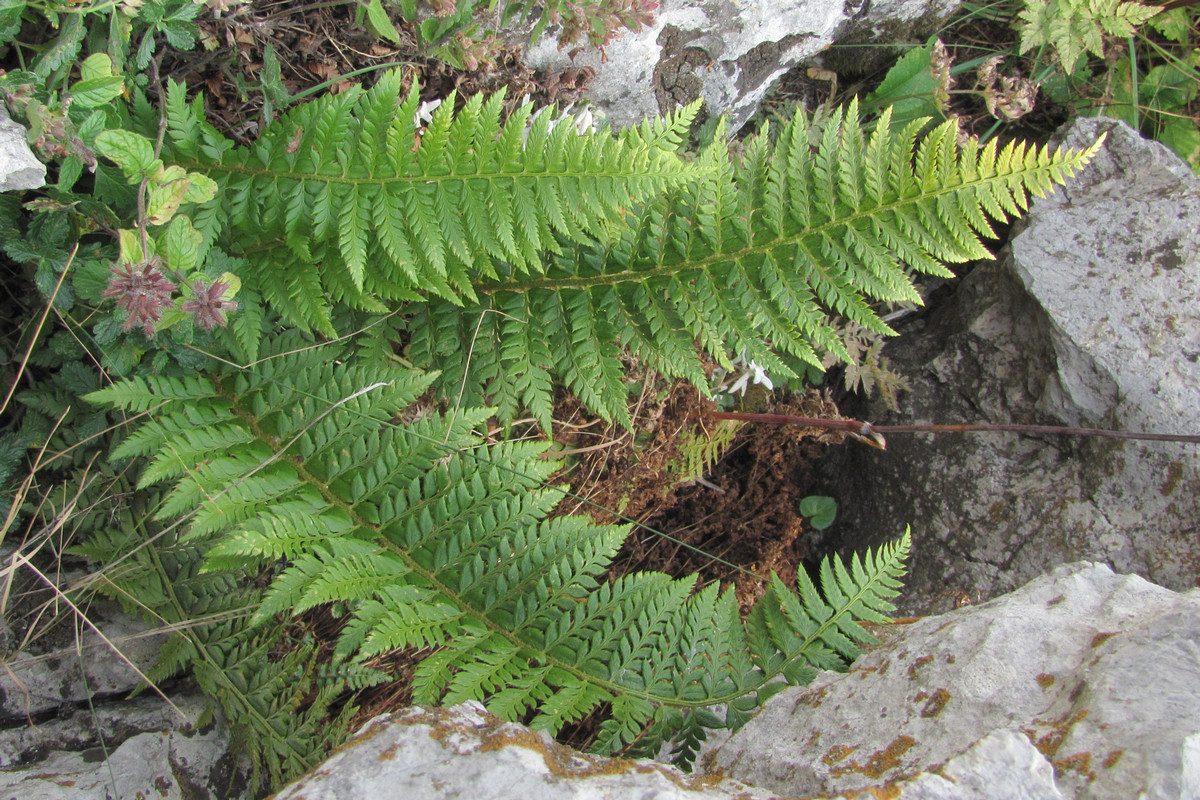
(433, 539)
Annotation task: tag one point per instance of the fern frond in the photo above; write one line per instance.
(347, 199)
(756, 258)
(275, 709)
(433, 540)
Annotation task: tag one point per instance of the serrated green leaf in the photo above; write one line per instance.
(180, 244)
(133, 153)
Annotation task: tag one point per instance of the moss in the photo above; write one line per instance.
(1174, 473)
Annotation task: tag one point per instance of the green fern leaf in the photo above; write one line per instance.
(432, 540)
(756, 258)
(346, 197)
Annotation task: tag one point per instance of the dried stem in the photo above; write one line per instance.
(873, 434)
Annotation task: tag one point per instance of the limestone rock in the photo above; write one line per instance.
(728, 52)
(1089, 319)
(51, 675)
(151, 752)
(19, 168)
(465, 752)
(1095, 671)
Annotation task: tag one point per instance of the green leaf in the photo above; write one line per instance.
(820, 510)
(379, 22)
(180, 244)
(98, 85)
(909, 88)
(1182, 136)
(166, 194)
(133, 153)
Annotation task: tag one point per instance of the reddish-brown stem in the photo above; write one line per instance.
(872, 434)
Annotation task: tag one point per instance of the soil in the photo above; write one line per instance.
(737, 522)
(322, 44)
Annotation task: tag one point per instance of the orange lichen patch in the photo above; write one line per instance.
(880, 762)
(1112, 758)
(950, 658)
(921, 695)
(936, 703)
(1049, 743)
(812, 698)
(1080, 763)
(889, 792)
(916, 666)
(889, 757)
(1045, 680)
(837, 753)
(1101, 638)
(812, 740)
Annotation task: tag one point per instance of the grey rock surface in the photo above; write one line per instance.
(173, 759)
(463, 752)
(52, 674)
(1090, 318)
(726, 51)
(19, 168)
(1097, 672)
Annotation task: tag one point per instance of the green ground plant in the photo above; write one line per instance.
(220, 392)
(1138, 63)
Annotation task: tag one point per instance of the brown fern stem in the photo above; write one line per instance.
(873, 434)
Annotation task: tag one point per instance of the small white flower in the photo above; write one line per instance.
(424, 114)
(748, 371)
(583, 122)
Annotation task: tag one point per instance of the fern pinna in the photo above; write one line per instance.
(754, 257)
(347, 199)
(434, 539)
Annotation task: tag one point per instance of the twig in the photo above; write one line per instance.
(873, 434)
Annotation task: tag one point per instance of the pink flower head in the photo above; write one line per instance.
(142, 290)
(208, 304)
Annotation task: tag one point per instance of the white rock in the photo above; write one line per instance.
(43, 679)
(464, 752)
(175, 763)
(729, 51)
(1097, 671)
(19, 168)
(1091, 320)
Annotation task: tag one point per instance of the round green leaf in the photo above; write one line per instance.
(820, 510)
